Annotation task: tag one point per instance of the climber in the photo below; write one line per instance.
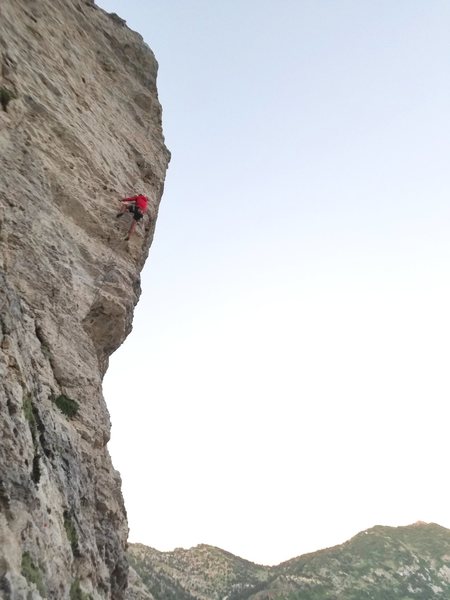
(136, 205)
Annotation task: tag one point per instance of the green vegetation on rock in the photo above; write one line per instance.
(76, 593)
(28, 412)
(66, 405)
(71, 533)
(32, 573)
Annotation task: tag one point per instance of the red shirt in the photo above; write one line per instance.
(140, 200)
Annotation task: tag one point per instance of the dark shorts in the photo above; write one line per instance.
(137, 215)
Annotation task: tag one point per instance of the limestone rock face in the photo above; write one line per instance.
(80, 128)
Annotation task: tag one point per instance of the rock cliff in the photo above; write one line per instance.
(80, 127)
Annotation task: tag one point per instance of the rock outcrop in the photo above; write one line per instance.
(382, 563)
(80, 127)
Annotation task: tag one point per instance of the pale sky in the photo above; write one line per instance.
(286, 383)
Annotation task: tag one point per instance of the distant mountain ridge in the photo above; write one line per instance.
(382, 563)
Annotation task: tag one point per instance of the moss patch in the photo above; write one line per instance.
(28, 411)
(66, 405)
(71, 533)
(76, 593)
(32, 573)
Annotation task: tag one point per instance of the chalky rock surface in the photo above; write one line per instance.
(80, 128)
